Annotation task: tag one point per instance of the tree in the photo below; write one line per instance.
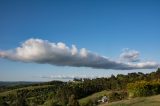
(21, 97)
(3, 102)
(73, 101)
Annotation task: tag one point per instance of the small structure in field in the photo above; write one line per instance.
(104, 99)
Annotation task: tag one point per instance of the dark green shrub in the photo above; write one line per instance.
(117, 95)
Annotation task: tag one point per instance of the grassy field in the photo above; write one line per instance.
(140, 101)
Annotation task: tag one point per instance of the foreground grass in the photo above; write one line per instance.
(139, 101)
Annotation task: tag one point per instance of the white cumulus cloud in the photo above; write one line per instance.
(45, 52)
(130, 55)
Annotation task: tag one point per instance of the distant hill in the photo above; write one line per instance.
(13, 83)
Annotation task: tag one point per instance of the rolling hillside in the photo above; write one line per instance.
(86, 92)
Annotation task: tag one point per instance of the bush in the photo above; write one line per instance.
(73, 101)
(143, 88)
(117, 95)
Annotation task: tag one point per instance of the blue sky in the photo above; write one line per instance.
(101, 26)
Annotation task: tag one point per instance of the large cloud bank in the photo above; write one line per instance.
(43, 51)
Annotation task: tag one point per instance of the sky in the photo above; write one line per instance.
(43, 40)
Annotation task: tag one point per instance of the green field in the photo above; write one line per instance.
(139, 101)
